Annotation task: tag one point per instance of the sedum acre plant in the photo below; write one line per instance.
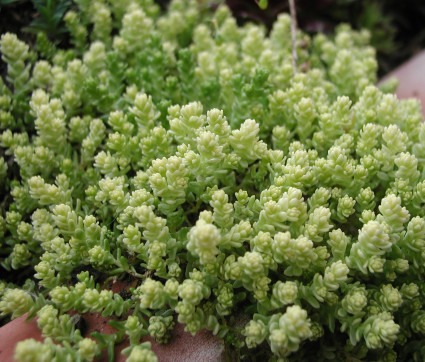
(280, 208)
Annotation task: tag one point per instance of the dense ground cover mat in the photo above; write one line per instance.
(280, 208)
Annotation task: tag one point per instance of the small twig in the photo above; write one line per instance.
(293, 34)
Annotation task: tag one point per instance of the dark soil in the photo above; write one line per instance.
(15, 16)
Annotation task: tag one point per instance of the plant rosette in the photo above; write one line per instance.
(182, 345)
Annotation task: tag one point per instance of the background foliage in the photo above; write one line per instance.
(396, 26)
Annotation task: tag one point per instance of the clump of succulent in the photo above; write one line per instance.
(185, 155)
